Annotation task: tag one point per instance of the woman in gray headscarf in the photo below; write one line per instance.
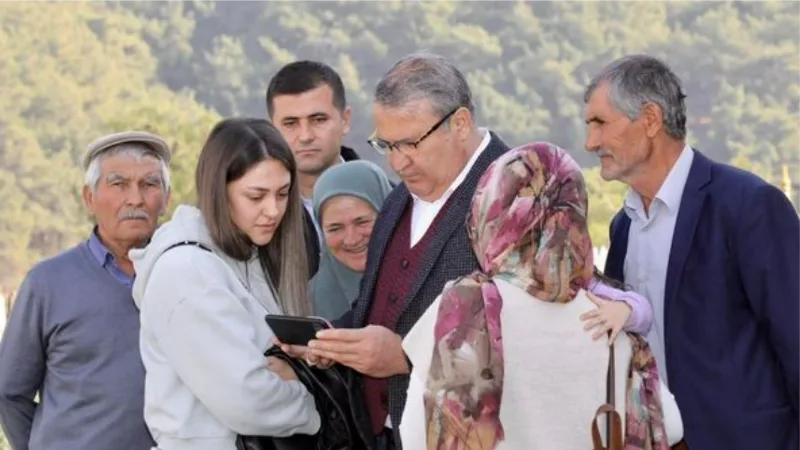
(346, 198)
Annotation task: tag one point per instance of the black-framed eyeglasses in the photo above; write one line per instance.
(384, 147)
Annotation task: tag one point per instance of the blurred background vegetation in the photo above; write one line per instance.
(73, 71)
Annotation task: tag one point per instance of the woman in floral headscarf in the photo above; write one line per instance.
(510, 366)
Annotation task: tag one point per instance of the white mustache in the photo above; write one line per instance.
(134, 214)
(603, 152)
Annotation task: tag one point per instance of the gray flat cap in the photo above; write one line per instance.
(153, 141)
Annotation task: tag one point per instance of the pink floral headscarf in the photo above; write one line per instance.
(527, 227)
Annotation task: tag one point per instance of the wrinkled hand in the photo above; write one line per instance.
(610, 315)
(302, 352)
(281, 368)
(373, 351)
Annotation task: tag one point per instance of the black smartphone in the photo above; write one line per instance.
(294, 330)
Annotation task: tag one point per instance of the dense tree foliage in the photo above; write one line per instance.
(73, 71)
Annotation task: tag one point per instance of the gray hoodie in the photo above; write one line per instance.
(203, 337)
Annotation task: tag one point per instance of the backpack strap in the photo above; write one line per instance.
(182, 243)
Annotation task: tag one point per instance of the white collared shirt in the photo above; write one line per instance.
(423, 213)
(649, 244)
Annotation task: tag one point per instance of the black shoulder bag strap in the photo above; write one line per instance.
(182, 243)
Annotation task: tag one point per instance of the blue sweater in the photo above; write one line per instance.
(73, 338)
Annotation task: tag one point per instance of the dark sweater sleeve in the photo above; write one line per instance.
(22, 364)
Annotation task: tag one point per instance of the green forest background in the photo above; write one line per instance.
(71, 72)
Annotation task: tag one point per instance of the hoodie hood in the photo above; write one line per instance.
(186, 225)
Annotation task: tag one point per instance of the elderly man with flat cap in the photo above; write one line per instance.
(73, 333)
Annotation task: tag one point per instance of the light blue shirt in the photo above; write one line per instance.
(649, 245)
(107, 260)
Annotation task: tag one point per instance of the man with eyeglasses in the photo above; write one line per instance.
(424, 119)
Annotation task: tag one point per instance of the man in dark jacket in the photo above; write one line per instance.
(715, 251)
(306, 101)
(425, 126)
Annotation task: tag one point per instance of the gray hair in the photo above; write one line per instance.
(134, 150)
(636, 80)
(427, 76)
